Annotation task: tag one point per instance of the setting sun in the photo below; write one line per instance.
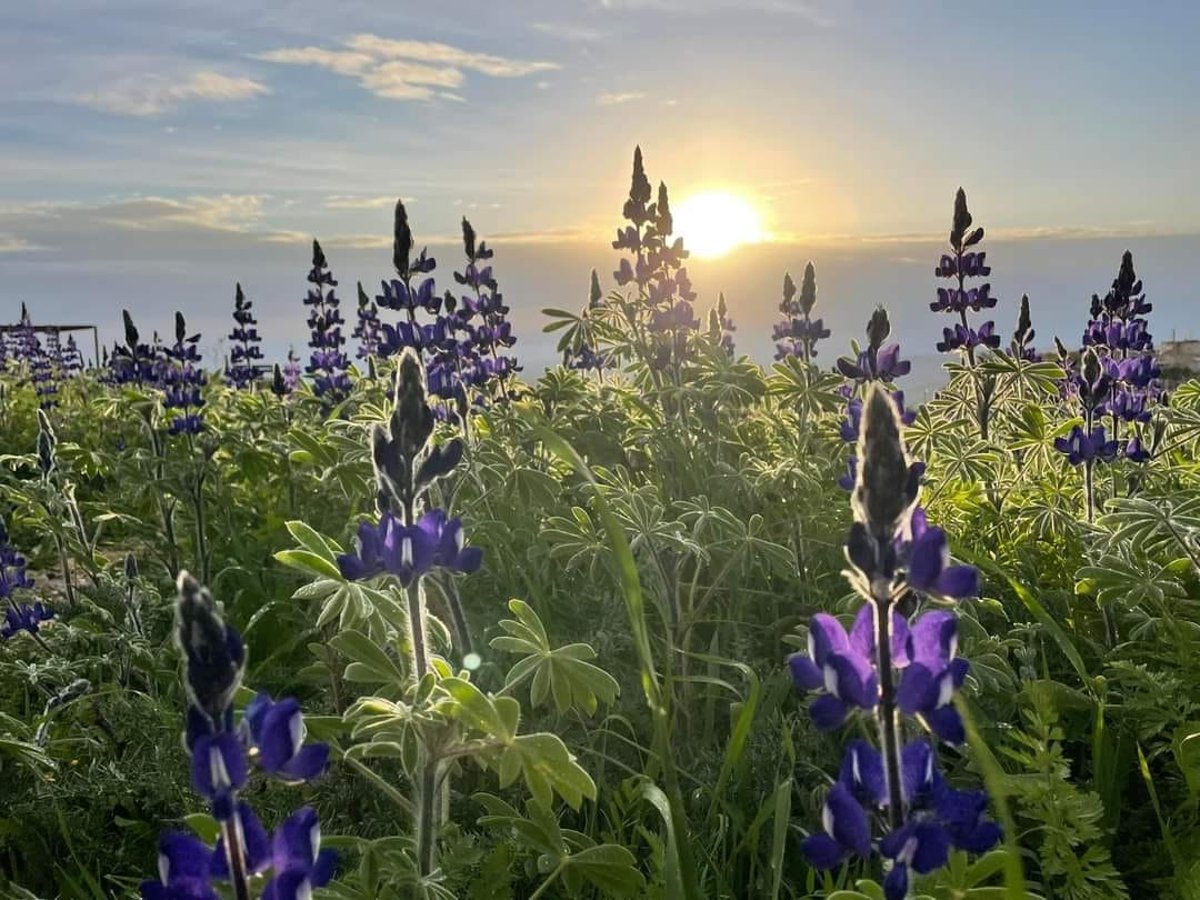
(715, 222)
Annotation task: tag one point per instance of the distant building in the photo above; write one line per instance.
(1180, 360)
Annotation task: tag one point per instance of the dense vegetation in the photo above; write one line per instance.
(601, 704)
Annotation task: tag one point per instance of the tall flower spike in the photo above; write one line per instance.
(888, 480)
(214, 653)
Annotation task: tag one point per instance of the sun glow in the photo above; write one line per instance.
(715, 222)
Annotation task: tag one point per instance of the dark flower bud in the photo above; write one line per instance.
(1097, 307)
(318, 256)
(808, 289)
(131, 567)
(278, 385)
(862, 550)
(402, 242)
(962, 220)
(974, 238)
(1126, 282)
(878, 328)
(440, 461)
(363, 300)
(887, 482)
(214, 653)
(131, 332)
(789, 288)
(468, 238)
(47, 443)
(639, 189)
(1024, 322)
(180, 327)
(412, 419)
(594, 294)
(450, 301)
(1091, 369)
(665, 223)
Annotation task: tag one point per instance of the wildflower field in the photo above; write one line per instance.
(403, 619)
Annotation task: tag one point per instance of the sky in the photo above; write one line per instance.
(155, 153)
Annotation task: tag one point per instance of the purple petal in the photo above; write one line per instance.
(825, 636)
(862, 771)
(307, 764)
(946, 723)
(805, 674)
(822, 851)
(933, 848)
(959, 582)
(854, 680)
(895, 885)
(917, 685)
(280, 735)
(934, 637)
(927, 558)
(846, 821)
(828, 712)
(182, 856)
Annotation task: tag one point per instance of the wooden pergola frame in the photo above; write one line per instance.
(57, 330)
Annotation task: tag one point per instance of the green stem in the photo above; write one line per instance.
(427, 815)
(545, 885)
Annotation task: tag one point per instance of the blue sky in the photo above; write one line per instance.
(156, 152)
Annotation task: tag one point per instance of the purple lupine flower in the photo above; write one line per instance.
(328, 363)
(892, 667)
(1083, 447)
(937, 818)
(664, 294)
(933, 675)
(876, 362)
(24, 617)
(928, 566)
(843, 665)
(12, 567)
(181, 380)
(271, 734)
(184, 870)
(133, 362)
(298, 863)
(275, 734)
(242, 371)
(799, 332)
(368, 328)
(957, 300)
(405, 551)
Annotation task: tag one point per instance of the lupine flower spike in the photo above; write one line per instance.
(272, 735)
(888, 667)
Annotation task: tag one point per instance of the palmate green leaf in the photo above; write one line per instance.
(547, 767)
(369, 662)
(310, 563)
(609, 867)
(565, 673)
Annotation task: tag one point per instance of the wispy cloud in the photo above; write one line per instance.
(153, 95)
(11, 243)
(613, 98)
(802, 8)
(406, 70)
(223, 212)
(568, 31)
(345, 201)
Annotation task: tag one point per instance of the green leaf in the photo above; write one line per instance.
(307, 561)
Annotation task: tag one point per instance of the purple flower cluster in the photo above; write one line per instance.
(893, 668)
(242, 371)
(799, 332)
(328, 363)
(1022, 342)
(182, 380)
(1129, 374)
(368, 328)
(588, 358)
(402, 543)
(876, 363)
(464, 344)
(656, 269)
(959, 299)
(722, 326)
(272, 736)
(17, 616)
(133, 362)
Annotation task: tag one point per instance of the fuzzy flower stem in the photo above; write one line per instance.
(231, 831)
(419, 629)
(888, 715)
(427, 797)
